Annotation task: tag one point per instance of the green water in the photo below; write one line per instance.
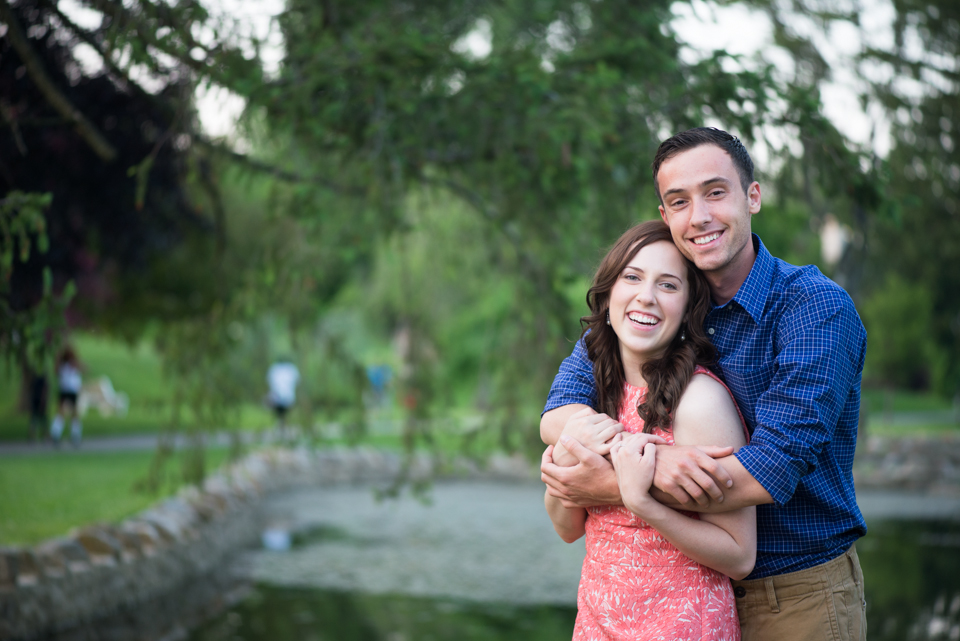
(911, 569)
(292, 614)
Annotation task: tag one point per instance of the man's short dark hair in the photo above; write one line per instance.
(692, 138)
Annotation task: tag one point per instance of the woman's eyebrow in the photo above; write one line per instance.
(639, 269)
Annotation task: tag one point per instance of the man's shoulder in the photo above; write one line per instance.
(795, 286)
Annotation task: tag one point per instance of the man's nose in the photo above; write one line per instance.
(700, 214)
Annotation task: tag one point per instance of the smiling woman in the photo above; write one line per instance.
(644, 276)
(650, 361)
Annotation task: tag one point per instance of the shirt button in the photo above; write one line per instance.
(711, 331)
(740, 591)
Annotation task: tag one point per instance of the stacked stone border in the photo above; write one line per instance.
(129, 574)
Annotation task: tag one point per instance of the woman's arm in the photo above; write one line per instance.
(726, 541)
(570, 523)
(593, 431)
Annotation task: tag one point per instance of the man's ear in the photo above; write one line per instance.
(753, 198)
(663, 215)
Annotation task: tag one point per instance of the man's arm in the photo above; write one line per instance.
(593, 480)
(820, 357)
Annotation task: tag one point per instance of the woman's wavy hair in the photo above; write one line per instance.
(667, 376)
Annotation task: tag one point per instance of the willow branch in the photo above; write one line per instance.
(56, 99)
(278, 172)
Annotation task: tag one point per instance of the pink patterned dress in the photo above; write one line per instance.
(636, 585)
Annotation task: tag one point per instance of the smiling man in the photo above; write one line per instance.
(791, 348)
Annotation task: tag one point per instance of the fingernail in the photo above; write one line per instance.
(730, 483)
(564, 439)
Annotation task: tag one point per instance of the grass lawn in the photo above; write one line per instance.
(45, 495)
(135, 370)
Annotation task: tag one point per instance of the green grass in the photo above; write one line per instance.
(135, 370)
(45, 495)
(878, 400)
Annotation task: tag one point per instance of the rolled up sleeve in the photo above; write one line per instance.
(820, 355)
(574, 382)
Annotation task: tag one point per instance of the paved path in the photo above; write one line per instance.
(112, 443)
(481, 541)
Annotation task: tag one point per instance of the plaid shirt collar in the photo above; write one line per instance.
(754, 292)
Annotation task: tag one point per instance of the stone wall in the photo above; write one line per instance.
(928, 464)
(130, 580)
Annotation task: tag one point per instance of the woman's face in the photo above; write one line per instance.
(648, 303)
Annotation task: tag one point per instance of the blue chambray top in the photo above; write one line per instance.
(791, 348)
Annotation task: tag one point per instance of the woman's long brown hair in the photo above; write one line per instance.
(667, 376)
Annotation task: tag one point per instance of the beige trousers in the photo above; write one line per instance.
(821, 603)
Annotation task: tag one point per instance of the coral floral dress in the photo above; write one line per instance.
(636, 585)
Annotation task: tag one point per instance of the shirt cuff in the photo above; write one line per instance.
(553, 402)
(774, 470)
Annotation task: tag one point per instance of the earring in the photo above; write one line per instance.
(683, 335)
(608, 317)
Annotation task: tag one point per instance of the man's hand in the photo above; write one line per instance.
(590, 429)
(592, 481)
(691, 475)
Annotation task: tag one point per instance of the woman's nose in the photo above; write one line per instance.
(645, 293)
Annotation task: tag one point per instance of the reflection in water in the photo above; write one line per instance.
(912, 572)
(292, 614)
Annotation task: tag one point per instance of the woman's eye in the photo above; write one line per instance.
(670, 286)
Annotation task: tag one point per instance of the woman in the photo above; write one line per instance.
(652, 572)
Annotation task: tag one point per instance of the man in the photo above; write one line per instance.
(791, 348)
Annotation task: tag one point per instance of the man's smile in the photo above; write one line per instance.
(703, 240)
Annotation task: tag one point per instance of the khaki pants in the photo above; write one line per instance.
(820, 603)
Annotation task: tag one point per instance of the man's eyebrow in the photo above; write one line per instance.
(705, 183)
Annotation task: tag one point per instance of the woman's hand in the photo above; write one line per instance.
(635, 461)
(593, 431)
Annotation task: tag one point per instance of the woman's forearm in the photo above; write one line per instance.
(730, 549)
(570, 523)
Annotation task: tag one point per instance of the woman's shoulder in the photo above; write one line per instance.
(707, 412)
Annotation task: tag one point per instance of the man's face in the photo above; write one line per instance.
(706, 209)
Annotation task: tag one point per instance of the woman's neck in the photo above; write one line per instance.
(632, 369)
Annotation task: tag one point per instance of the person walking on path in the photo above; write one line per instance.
(70, 381)
(652, 572)
(791, 349)
(282, 379)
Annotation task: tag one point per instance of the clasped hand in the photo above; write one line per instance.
(590, 429)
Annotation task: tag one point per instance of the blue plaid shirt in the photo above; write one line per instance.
(791, 349)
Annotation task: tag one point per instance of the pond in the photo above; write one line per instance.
(911, 568)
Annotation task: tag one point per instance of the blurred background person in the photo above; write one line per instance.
(69, 381)
(282, 378)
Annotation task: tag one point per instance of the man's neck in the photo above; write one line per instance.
(725, 282)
